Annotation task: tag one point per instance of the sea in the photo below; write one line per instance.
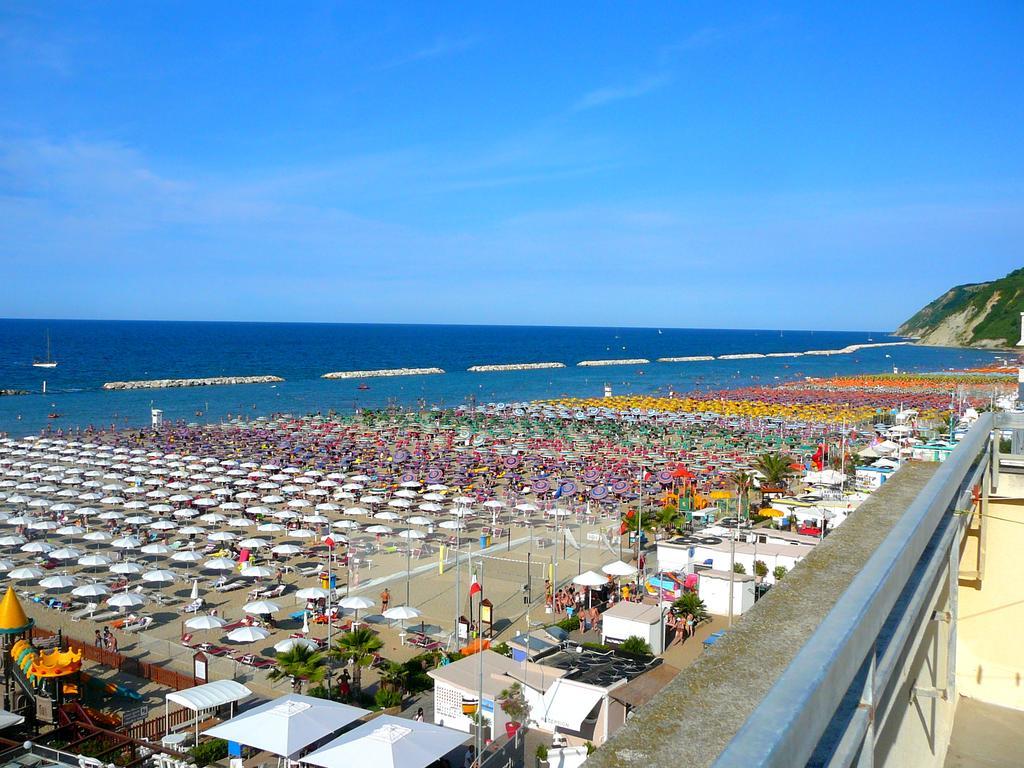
(90, 353)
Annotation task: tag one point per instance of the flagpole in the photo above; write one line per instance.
(480, 653)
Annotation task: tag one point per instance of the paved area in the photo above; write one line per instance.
(986, 736)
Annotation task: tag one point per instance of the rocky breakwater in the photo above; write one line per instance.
(213, 381)
(513, 367)
(381, 372)
(12, 392)
(629, 361)
(686, 359)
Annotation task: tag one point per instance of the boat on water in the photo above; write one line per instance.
(49, 362)
(363, 385)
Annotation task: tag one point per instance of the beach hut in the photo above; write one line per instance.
(203, 698)
(624, 620)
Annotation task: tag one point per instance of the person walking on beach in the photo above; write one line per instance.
(98, 642)
(385, 600)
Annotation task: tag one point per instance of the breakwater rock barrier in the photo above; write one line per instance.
(513, 367)
(213, 381)
(12, 392)
(632, 361)
(687, 359)
(381, 372)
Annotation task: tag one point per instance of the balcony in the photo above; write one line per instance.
(895, 643)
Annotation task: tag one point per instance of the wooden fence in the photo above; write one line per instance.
(130, 666)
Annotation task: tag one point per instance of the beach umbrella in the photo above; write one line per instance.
(355, 603)
(187, 556)
(205, 622)
(11, 541)
(126, 542)
(192, 530)
(261, 607)
(381, 529)
(160, 577)
(386, 515)
(94, 561)
(283, 646)
(91, 590)
(43, 525)
(345, 524)
(5, 564)
(156, 549)
(65, 553)
(269, 527)
(247, 634)
(40, 547)
(411, 534)
(26, 573)
(127, 600)
(97, 536)
(257, 572)
(70, 530)
(163, 525)
(220, 564)
(590, 579)
(301, 533)
(313, 593)
(619, 568)
(286, 549)
(254, 543)
(194, 594)
(60, 581)
(126, 569)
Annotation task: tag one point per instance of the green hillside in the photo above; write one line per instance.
(976, 314)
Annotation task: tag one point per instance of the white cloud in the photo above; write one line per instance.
(608, 95)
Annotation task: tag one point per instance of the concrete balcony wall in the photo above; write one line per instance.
(990, 659)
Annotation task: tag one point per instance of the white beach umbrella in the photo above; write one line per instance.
(261, 607)
(127, 600)
(286, 549)
(222, 536)
(40, 547)
(126, 542)
(269, 527)
(94, 561)
(126, 569)
(11, 541)
(160, 577)
(247, 635)
(283, 646)
(381, 529)
(91, 590)
(254, 543)
(26, 573)
(411, 534)
(619, 568)
(60, 581)
(187, 556)
(70, 530)
(257, 572)
(65, 553)
(156, 549)
(590, 579)
(313, 593)
(220, 564)
(97, 536)
(205, 622)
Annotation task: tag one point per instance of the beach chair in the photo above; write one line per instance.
(195, 606)
(105, 615)
(229, 585)
(186, 640)
(80, 614)
(143, 622)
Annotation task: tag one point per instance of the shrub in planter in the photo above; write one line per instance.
(779, 572)
(386, 697)
(209, 751)
(635, 646)
(569, 623)
(513, 703)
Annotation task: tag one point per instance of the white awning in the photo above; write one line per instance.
(388, 742)
(7, 719)
(567, 705)
(210, 695)
(287, 725)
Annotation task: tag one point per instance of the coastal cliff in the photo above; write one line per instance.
(972, 315)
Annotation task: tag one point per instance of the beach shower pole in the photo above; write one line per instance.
(408, 549)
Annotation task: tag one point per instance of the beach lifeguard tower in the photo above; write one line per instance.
(156, 417)
(607, 390)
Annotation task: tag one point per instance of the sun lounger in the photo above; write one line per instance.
(230, 585)
(80, 614)
(216, 650)
(144, 622)
(195, 606)
(105, 615)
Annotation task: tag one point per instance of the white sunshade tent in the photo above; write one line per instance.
(205, 697)
(388, 742)
(288, 724)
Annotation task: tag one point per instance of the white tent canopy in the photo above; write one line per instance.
(567, 704)
(288, 724)
(388, 742)
(208, 696)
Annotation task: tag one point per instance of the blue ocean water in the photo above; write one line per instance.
(93, 352)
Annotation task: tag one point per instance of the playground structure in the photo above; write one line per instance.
(667, 585)
(36, 681)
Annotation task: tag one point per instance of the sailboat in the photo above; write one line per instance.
(49, 362)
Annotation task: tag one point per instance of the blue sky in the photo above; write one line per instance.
(693, 164)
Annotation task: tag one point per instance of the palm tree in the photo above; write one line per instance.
(393, 676)
(774, 468)
(742, 481)
(358, 647)
(301, 664)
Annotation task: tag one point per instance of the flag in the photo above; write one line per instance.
(329, 542)
(475, 587)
